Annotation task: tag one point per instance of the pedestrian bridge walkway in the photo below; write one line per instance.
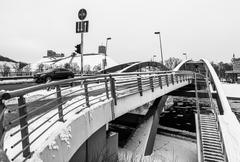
(52, 121)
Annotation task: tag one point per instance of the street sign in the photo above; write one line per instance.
(82, 27)
(82, 14)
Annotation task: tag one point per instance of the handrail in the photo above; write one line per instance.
(198, 114)
(223, 100)
(98, 86)
(19, 92)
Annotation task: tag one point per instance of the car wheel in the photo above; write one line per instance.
(48, 79)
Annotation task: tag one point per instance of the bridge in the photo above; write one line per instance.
(69, 120)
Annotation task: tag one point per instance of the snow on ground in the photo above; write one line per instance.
(16, 81)
(166, 149)
(173, 149)
(65, 134)
(231, 90)
(138, 141)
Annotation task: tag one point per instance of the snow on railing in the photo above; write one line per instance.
(27, 114)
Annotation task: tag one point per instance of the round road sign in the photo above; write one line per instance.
(82, 14)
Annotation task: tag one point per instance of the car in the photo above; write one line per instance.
(53, 74)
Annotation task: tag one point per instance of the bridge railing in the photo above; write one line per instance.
(27, 114)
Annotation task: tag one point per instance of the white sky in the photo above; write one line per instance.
(203, 28)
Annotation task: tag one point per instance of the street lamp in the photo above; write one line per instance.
(185, 67)
(153, 57)
(185, 55)
(105, 59)
(159, 34)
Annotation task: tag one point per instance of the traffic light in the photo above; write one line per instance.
(78, 48)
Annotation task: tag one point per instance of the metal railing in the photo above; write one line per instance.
(29, 118)
(216, 113)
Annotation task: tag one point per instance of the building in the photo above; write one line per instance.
(51, 53)
(233, 76)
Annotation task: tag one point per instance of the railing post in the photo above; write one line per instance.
(167, 82)
(106, 87)
(113, 90)
(172, 78)
(2, 107)
(86, 93)
(160, 81)
(176, 75)
(24, 124)
(151, 83)
(139, 81)
(60, 109)
(3, 156)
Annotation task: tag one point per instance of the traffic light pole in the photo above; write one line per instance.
(81, 54)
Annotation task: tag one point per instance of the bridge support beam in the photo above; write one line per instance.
(158, 108)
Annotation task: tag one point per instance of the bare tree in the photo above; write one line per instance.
(17, 68)
(5, 70)
(40, 67)
(67, 66)
(75, 68)
(97, 68)
(87, 69)
(27, 69)
(172, 62)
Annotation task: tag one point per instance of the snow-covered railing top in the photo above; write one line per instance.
(223, 99)
(28, 113)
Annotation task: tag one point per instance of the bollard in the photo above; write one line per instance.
(23, 122)
(86, 93)
(139, 81)
(60, 109)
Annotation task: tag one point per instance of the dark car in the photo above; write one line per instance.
(53, 74)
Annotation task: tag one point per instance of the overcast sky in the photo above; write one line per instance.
(204, 28)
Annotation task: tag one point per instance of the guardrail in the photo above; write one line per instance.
(31, 77)
(61, 98)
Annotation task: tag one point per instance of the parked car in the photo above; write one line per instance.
(53, 74)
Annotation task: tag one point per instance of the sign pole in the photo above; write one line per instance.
(81, 54)
(82, 27)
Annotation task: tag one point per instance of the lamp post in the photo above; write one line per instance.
(153, 57)
(105, 58)
(159, 34)
(185, 67)
(185, 55)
